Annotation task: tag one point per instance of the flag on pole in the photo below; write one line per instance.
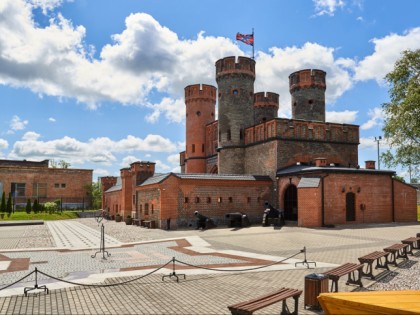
(246, 38)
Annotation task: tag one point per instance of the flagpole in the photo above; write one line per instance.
(253, 44)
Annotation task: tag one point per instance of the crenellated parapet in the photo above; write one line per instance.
(307, 78)
(292, 129)
(266, 99)
(230, 65)
(200, 92)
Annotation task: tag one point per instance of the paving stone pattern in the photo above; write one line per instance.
(208, 293)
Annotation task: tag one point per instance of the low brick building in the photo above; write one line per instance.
(36, 180)
(304, 165)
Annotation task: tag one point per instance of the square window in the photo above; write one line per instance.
(56, 185)
(230, 199)
(186, 200)
(63, 185)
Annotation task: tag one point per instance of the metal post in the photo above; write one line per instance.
(379, 160)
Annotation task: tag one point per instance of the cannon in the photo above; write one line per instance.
(203, 222)
(237, 219)
(272, 215)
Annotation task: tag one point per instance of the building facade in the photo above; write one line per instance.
(304, 165)
(36, 180)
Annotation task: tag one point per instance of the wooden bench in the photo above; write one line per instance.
(150, 224)
(369, 259)
(249, 307)
(347, 269)
(397, 251)
(413, 243)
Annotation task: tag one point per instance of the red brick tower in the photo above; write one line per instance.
(200, 104)
(126, 191)
(140, 171)
(235, 80)
(266, 106)
(307, 88)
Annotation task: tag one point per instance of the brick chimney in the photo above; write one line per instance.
(370, 165)
(320, 162)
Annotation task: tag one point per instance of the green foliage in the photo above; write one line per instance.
(9, 206)
(28, 208)
(95, 193)
(35, 206)
(3, 202)
(402, 123)
(50, 207)
(22, 215)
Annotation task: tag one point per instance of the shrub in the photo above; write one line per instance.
(9, 207)
(50, 207)
(28, 208)
(3, 202)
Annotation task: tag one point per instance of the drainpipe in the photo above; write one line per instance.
(322, 203)
(393, 200)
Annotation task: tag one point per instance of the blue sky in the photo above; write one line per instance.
(100, 83)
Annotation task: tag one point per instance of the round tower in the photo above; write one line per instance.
(307, 88)
(235, 81)
(200, 102)
(266, 106)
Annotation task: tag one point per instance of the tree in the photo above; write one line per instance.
(402, 123)
(3, 203)
(95, 193)
(9, 206)
(60, 164)
(28, 206)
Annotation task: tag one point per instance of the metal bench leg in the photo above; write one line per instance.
(284, 309)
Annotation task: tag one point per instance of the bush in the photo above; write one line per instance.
(28, 208)
(50, 207)
(3, 202)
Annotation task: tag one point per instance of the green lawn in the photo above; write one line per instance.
(18, 216)
(418, 212)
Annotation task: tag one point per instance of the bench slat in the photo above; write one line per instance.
(250, 306)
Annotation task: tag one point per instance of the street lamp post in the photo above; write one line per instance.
(377, 141)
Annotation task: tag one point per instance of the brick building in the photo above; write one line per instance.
(36, 180)
(304, 165)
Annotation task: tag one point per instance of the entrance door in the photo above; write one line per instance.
(290, 203)
(350, 207)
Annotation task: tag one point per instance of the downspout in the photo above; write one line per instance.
(322, 203)
(393, 200)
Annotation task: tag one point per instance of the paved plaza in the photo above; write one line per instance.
(135, 272)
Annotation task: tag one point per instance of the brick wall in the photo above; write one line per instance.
(60, 183)
(405, 201)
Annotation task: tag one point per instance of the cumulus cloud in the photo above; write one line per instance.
(51, 119)
(376, 117)
(97, 150)
(3, 144)
(273, 71)
(387, 51)
(327, 7)
(344, 117)
(16, 123)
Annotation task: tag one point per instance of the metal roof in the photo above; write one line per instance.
(117, 186)
(295, 169)
(309, 182)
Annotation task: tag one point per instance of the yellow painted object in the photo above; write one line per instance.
(371, 302)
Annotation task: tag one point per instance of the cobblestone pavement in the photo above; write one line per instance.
(202, 291)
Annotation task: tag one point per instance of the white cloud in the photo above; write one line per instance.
(327, 6)
(387, 51)
(344, 117)
(16, 124)
(174, 110)
(126, 161)
(369, 143)
(3, 144)
(376, 117)
(173, 159)
(96, 150)
(51, 119)
(273, 71)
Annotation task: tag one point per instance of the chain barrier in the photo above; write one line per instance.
(172, 274)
